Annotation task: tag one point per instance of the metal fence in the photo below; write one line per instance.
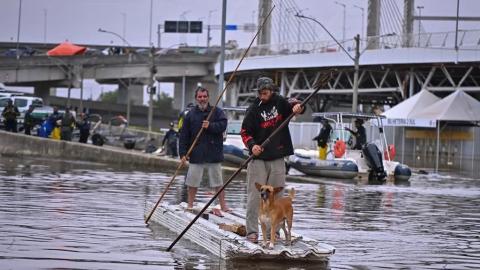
(457, 155)
(467, 39)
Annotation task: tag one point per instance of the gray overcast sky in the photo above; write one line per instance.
(78, 21)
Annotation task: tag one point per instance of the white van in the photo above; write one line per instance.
(22, 103)
(9, 94)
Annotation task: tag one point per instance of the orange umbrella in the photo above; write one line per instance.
(66, 48)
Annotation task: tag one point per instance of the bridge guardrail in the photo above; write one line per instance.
(467, 39)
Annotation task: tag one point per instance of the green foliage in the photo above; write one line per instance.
(164, 102)
(109, 97)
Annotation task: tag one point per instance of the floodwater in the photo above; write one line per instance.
(75, 215)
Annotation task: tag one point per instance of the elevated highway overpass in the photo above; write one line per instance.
(130, 71)
(388, 74)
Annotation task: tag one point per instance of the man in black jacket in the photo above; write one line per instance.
(266, 113)
(29, 120)
(171, 139)
(10, 114)
(322, 139)
(208, 151)
(360, 135)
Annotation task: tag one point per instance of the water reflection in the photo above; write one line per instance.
(59, 214)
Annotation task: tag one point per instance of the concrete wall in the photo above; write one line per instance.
(19, 144)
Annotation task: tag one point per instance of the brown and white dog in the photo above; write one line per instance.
(275, 211)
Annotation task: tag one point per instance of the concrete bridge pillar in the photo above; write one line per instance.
(43, 91)
(373, 23)
(264, 7)
(136, 94)
(408, 13)
(180, 102)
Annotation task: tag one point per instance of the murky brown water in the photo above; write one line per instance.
(75, 215)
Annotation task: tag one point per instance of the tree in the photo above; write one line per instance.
(164, 102)
(109, 97)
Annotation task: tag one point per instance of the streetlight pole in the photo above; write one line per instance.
(153, 71)
(129, 54)
(356, 59)
(419, 22)
(344, 18)
(44, 26)
(208, 26)
(124, 27)
(18, 28)
(299, 30)
(150, 25)
(115, 34)
(363, 18)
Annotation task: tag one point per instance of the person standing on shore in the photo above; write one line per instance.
(171, 138)
(28, 120)
(67, 124)
(10, 114)
(83, 126)
(208, 151)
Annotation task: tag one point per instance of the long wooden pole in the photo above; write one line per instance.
(322, 82)
(207, 119)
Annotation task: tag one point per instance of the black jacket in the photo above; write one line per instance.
(170, 137)
(261, 120)
(323, 136)
(209, 148)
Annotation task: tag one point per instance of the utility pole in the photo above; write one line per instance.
(153, 71)
(129, 103)
(355, 76)
(221, 76)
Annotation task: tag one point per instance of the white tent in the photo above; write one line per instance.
(401, 114)
(458, 106)
(412, 105)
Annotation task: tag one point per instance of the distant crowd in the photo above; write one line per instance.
(58, 126)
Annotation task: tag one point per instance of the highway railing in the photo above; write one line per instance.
(467, 39)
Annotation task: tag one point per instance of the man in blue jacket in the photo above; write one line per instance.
(263, 116)
(208, 151)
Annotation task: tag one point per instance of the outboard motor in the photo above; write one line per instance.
(402, 173)
(373, 156)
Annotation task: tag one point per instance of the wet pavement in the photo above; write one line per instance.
(57, 214)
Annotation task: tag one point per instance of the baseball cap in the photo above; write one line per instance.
(265, 83)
